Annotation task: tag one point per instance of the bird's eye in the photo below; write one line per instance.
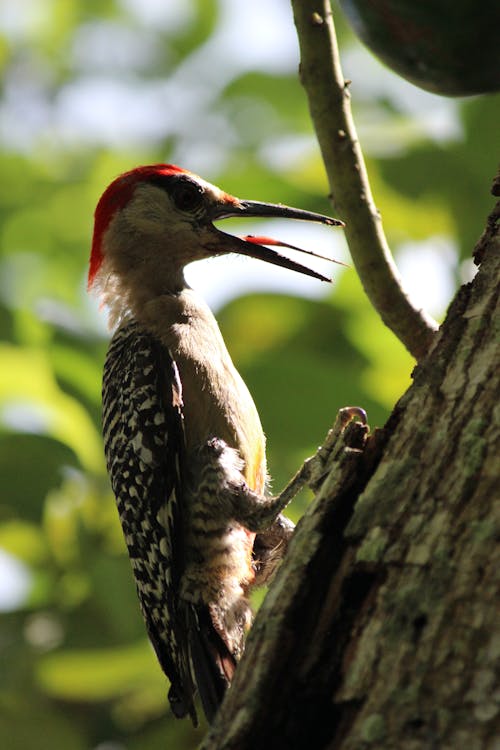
(187, 195)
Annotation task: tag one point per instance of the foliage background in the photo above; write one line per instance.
(89, 90)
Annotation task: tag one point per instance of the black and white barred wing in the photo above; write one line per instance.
(144, 445)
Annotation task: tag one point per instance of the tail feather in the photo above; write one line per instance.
(213, 663)
(181, 705)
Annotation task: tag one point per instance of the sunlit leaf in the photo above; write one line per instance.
(23, 540)
(387, 372)
(26, 381)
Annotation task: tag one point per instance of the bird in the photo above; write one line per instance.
(184, 446)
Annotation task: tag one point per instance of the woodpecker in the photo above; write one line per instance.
(184, 445)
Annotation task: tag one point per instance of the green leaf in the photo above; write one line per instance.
(30, 466)
(25, 541)
(26, 380)
(31, 723)
(100, 674)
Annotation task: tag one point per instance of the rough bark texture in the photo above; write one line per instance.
(381, 629)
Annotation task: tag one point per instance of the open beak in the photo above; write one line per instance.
(255, 247)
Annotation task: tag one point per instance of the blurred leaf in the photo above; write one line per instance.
(6, 326)
(23, 540)
(26, 379)
(62, 520)
(30, 466)
(25, 724)
(279, 92)
(115, 597)
(205, 14)
(104, 674)
(169, 734)
(453, 176)
(387, 372)
(405, 218)
(76, 369)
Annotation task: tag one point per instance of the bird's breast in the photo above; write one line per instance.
(217, 402)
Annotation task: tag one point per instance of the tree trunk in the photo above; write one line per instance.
(381, 630)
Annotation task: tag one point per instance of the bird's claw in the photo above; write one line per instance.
(348, 413)
(317, 467)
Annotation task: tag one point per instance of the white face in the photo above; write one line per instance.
(165, 225)
(185, 201)
(177, 214)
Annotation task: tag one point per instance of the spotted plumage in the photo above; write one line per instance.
(144, 446)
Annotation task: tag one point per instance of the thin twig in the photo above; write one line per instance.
(329, 104)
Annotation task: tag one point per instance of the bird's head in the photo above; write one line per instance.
(152, 221)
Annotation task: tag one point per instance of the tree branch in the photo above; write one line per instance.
(329, 104)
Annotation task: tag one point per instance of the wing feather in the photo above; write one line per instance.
(144, 446)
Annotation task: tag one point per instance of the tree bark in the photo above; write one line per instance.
(381, 629)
